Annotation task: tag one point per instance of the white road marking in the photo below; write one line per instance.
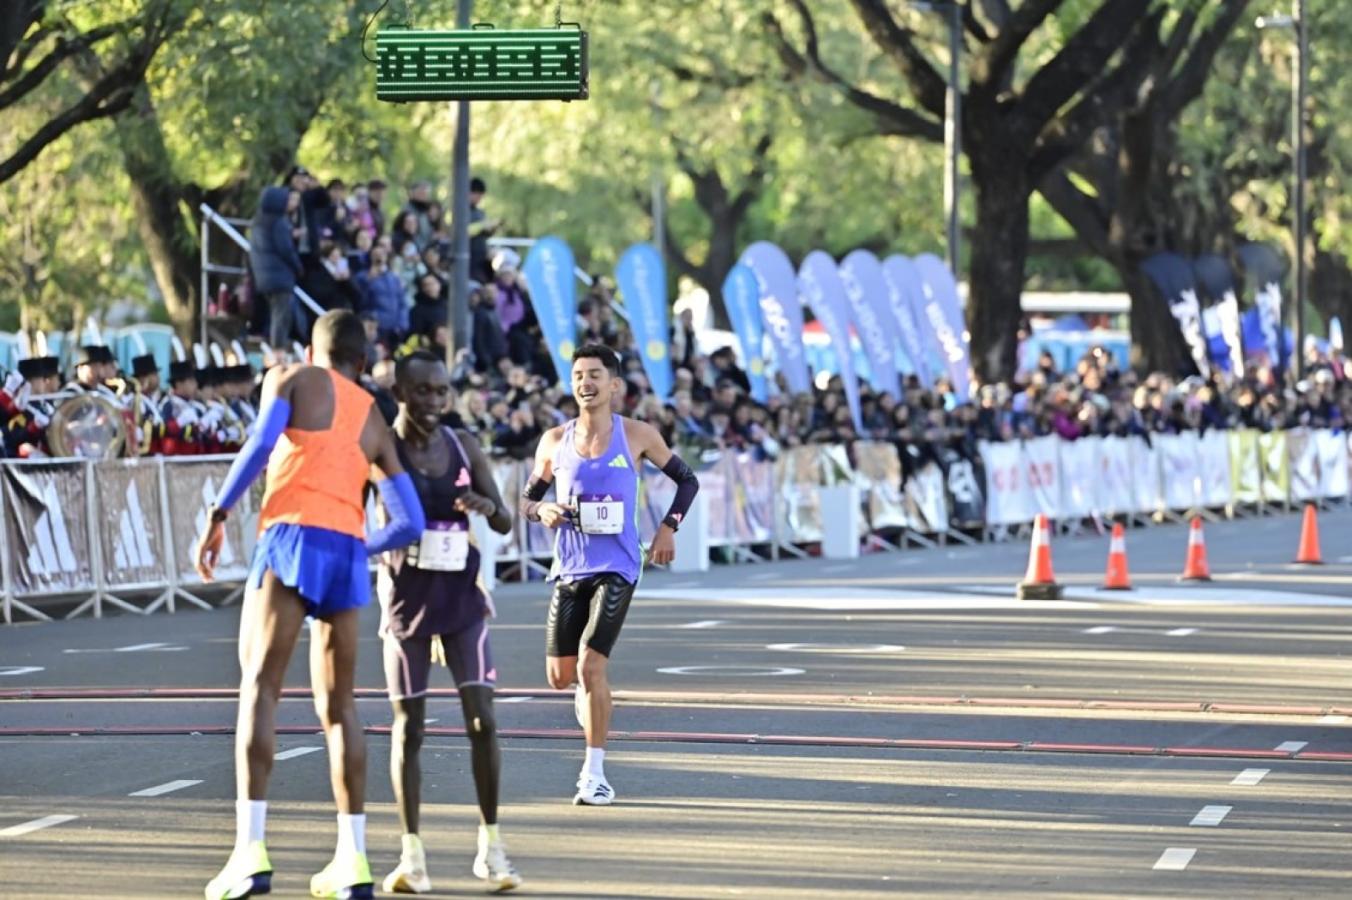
(296, 751)
(19, 670)
(167, 788)
(837, 648)
(748, 671)
(1332, 720)
(158, 646)
(1181, 632)
(1175, 859)
(704, 623)
(1250, 777)
(762, 576)
(514, 699)
(1291, 746)
(1210, 816)
(1213, 595)
(1100, 629)
(844, 599)
(35, 825)
(429, 721)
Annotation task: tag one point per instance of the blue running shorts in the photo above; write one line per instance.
(327, 568)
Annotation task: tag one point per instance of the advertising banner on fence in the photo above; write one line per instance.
(1333, 462)
(47, 528)
(1180, 472)
(1246, 473)
(642, 279)
(906, 299)
(866, 290)
(741, 297)
(1213, 464)
(196, 484)
(820, 286)
(878, 474)
(781, 311)
(553, 294)
(943, 316)
(130, 523)
(1276, 466)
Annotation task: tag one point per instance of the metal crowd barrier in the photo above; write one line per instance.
(80, 536)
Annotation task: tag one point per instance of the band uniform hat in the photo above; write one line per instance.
(39, 367)
(181, 370)
(94, 354)
(144, 365)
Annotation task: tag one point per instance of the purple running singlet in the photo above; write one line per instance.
(601, 535)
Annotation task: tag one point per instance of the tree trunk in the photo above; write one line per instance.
(156, 198)
(999, 251)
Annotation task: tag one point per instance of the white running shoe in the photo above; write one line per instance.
(580, 706)
(593, 791)
(410, 876)
(493, 866)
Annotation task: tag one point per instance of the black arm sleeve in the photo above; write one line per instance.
(687, 486)
(534, 492)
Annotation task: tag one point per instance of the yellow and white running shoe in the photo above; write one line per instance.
(346, 877)
(410, 876)
(248, 873)
(493, 866)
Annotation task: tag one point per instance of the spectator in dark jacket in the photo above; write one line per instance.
(383, 297)
(429, 306)
(488, 342)
(272, 256)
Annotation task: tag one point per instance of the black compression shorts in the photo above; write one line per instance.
(588, 611)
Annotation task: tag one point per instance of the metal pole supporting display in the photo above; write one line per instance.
(1302, 71)
(459, 305)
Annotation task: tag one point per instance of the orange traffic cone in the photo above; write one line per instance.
(1117, 578)
(1309, 539)
(1196, 568)
(1039, 583)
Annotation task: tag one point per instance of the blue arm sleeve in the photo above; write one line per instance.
(406, 522)
(253, 456)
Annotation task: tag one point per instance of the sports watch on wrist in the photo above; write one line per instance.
(672, 522)
(218, 515)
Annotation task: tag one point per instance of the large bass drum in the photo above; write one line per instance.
(89, 427)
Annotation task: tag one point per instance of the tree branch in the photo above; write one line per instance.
(895, 42)
(111, 96)
(16, 17)
(755, 179)
(1081, 210)
(1187, 83)
(1015, 28)
(891, 118)
(63, 50)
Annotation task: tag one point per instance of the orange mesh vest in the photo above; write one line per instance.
(316, 478)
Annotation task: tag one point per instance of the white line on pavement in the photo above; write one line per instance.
(703, 623)
(166, 788)
(35, 825)
(1211, 816)
(1175, 859)
(1250, 777)
(762, 576)
(297, 751)
(1332, 720)
(428, 721)
(1291, 746)
(515, 699)
(1100, 629)
(1181, 632)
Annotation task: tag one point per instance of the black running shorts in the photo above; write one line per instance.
(589, 611)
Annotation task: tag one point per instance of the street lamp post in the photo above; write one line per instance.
(1301, 72)
(459, 305)
(952, 122)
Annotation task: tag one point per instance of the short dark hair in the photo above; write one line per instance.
(477, 186)
(609, 358)
(376, 184)
(340, 336)
(406, 362)
(334, 183)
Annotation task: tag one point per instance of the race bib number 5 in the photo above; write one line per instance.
(444, 547)
(600, 514)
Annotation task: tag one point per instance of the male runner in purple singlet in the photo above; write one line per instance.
(593, 463)
(430, 594)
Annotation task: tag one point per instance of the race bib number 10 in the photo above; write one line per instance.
(600, 514)
(444, 547)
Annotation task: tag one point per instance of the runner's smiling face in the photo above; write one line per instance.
(593, 385)
(424, 393)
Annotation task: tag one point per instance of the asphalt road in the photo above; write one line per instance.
(895, 725)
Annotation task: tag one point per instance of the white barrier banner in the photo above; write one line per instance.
(1332, 463)
(47, 527)
(1009, 501)
(800, 473)
(1180, 473)
(1303, 453)
(1113, 494)
(128, 503)
(926, 500)
(1147, 485)
(1276, 467)
(1213, 458)
(878, 474)
(1080, 463)
(1041, 467)
(196, 483)
(1245, 472)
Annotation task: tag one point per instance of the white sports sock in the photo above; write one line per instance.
(251, 818)
(488, 834)
(412, 846)
(352, 833)
(595, 762)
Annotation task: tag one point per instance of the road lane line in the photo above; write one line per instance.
(1250, 777)
(1332, 720)
(762, 576)
(429, 721)
(167, 788)
(1175, 859)
(704, 623)
(296, 751)
(1291, 746)
(35, 825)
(1100, 629)
(1180, 632)
(514, 699)
(1211, 816)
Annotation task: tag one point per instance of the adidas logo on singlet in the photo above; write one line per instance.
(618, 462)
